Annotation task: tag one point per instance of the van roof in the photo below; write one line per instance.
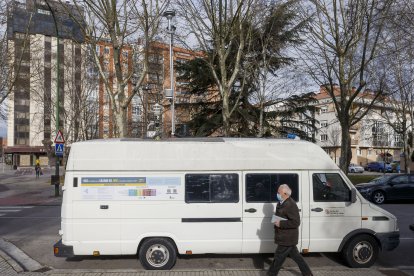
(196, 154)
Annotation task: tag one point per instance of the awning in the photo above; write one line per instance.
(24, 149)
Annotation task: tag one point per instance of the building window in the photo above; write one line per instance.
(106, 50)
(106, 65)
(19, 35)
(98, 49)
(324, 123)
(211, 188)
(369, 152)
(324, 137)
(359, 152)
(397, 138)
(378, 127)
(125, 54)
(324, 109)
(41, 11)
(136, 110)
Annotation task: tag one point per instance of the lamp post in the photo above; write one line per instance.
(171, 29)
(146, 90)
(57, 177)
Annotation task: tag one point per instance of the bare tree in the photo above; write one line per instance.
(222, 30)
(397, 65)
(119, 23)
(343, 39)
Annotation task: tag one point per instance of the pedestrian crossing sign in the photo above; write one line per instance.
(59, 137)
(59, 148)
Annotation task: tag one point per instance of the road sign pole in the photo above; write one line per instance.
(59, 140)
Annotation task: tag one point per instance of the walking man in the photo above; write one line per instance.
(287, 233)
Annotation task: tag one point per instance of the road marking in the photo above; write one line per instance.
(14, 207)
(4, 210)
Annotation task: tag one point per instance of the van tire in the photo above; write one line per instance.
(361, 251)
(157, 254)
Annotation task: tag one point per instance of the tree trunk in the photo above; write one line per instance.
(226, 114)
(346, 152)
(121, 122)
(260, 122)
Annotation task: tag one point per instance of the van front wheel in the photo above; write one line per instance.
(157, 254)
(361, 251)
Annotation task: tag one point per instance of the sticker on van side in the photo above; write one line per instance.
(131, 188)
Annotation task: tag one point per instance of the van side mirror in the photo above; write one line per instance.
(353, 195)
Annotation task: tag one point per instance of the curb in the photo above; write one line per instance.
(14, 265)
(20, 260)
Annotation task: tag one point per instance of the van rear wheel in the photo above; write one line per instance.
(157, 254)
(361, 251)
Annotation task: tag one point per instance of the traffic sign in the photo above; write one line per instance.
(59, 148)
(59, 138)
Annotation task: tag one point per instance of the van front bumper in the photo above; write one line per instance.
(61, 250)
(389, 241)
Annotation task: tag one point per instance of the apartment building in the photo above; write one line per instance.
(149, 113)
(32, 44)
(372, 139)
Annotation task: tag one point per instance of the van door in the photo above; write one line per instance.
(332, 214)
(259, 201)
(96, 216)
(212, 217)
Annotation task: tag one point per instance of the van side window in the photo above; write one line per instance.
(330, 187)
(262, 187)
(214, 188)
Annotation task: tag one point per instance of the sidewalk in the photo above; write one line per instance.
(9, 267)
(21, 187)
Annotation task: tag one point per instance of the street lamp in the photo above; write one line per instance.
(169, 14)
(146, 90)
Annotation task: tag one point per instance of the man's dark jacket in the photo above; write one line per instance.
(287, 234)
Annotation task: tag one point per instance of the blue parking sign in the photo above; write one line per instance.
(59, 148)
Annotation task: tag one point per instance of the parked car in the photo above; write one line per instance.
(378, 167)
(395, 165)
(354, 168)
(388, 187)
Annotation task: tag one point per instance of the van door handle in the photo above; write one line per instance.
(251, 210)
(104, 207)
(317, 209)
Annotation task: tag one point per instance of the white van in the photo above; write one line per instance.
(158, 199)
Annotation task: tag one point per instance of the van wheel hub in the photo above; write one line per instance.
(157, 255)
(362, 252)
